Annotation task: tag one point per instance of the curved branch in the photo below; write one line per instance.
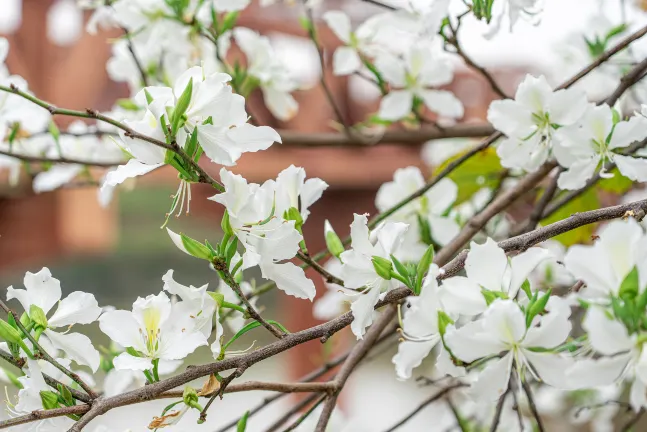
(63, 160)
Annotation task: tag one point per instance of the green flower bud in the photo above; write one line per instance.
(49, 399)
(38, 316)
(333, 243)
(382, 267)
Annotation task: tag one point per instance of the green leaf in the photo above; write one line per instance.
(333, 243)
(617, 184)
(585, 202)
(247, 328)
(615, 31)
(242, 423)
(232, 247)
(424, 230)
(423, 268)
(537, 307)
(225, 225)
(490, 296)
(182, 105)
(525, 287)
(481, 170)
(382, 267)
(629, 287)
(149, 98)
(66, 395)
(401, 269)
(129, 105)
(191, 145)
(229, 22)
(443, 321)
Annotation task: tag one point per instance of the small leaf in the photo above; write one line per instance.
(38, 316)
(182, 105)
(49, 399)
(242, 423)
(423, 268)
(333, 243)
(629, 287)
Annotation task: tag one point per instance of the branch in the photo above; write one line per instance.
(295, 409)
(356, 355)
(633, 421)
(64, 160)
(500, 203)
(44, 414)
(305, 415)
(312, 32)
(533, 408)
(74, 377)
(138, 64)
(539, 207)
(253, 313)
(328, 277)
(298, 387)
(203, 177)
(424, 404)
(499, 410)
(522, 242)
(54, 383)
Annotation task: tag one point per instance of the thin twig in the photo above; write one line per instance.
(293, 410)
(305, 415)
(499, 410)
(138, 64)
(63, 160)
(358, 352)
(203, 177)
(253, 313)
(44, 414)
(328, 277)
(533, 408)
(633, 421)
(74, 377)
(425, 404)
(540, 206)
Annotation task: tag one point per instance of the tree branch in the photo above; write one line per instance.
(328, 277)
(533, 408)
(74, 377)
(44, 414)
(356, 355)
(64, 160)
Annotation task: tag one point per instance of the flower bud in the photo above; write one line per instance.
(189, 395)
(49, 399)
(382, 267)
(333, 243)
(38, 316)
(218, 297)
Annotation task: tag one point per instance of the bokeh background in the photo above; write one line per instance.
(120, 252)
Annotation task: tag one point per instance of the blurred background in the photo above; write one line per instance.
(120, 252)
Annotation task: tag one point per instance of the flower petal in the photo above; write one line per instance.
(410, 355)
(362, 308)
(290, 279)
(605, 335)
(125, 361)
(346, 61)
(77, 347)
(77, 308)
(396, 105)
(486, 264)
(493, 381)
(42, 290)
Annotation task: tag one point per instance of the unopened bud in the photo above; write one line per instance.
(382, 267)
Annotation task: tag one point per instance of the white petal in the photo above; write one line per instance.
(410, 355)
(441, 196)
(462, 296)
(217, 145)
(631, 167)
(576, 175)
(637, 397)
(523, 264)
(55, 177)
(359, 234)
(310, 193)
(628, 132)
(504, 320)
(534, 93)
(443, 229)
(280, 103)
(486, 264)
(493, 381)
(346, 61)
(177, 240)
(42, 290)
(469, 343)
(590, 373)
(290, 279)
(591, 264)
(550, 367)
(396, 105)
(77, 308)
(605, 335)
(553, 328)
(77, 347)
(362, 308)
(392, 69)
(132, 168)
(122, 327)
(339, 23)
(443, 103)
(125, 361)
(566, 106)
(249, 138)
(510, 118)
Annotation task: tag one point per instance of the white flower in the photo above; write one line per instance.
(44, 291)
(263, 64)
(347, 59)
(596, 140)
(334, 301)
(489, 267)
(155, 329)
(623, 355)
(420, 329)
(267, 238)
(412, 76)
(293, 190)
(551, 272)
(514, 9)
(530, 120)
(358, 270)
(502, 329)
(621, 246)
(431, 208)
(199, 305)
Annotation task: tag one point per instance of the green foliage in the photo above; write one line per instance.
(481, 170)
(585, 202)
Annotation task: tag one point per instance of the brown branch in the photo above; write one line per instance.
(253, 313)
(356, 355)
(74, 377)
(519, 243)
(295, 409)
(64, 160)
(328, 277)
(533, 408)
(138, 64)
(424, 404)
(298, 387)
(539, 207)
(305, 415)
(44, 414)
(54, 383)
(500, 203)
(633, 421)
(628, 80)
(499, 410)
